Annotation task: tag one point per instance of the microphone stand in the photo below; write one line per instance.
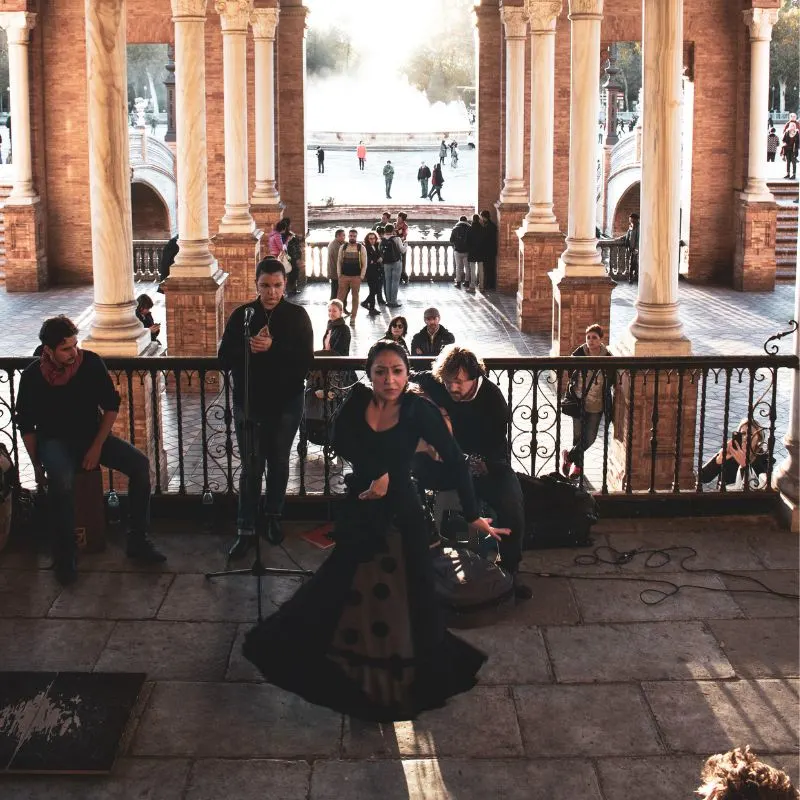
(257, 569)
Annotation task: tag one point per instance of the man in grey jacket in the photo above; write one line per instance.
(333, 261)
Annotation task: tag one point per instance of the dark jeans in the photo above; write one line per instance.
(500, 489)
(334, 288)
(389, 187)
(320, 166)
(375, 284)
(584, 433)
(791, 166)
(423, 185)
(435, 190)
(62, 459)
(361, 163)
(272, 441)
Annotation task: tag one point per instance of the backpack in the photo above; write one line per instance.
(390, 251)
(351, 261)
(459, 237)
(558, 513)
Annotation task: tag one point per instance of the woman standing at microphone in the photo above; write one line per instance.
(281, 342)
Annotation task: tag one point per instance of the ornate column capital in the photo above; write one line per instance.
(585, 9)
(760, 22)
(543, 14)
(265, 22)
(189, 9)
(234, 14)
(17, 25)
(515, 21)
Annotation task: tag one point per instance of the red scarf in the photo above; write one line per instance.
(54, 373)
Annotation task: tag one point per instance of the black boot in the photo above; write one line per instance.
(273, 531)
(65, 563)
(142, 549)
(521, 591)
(244, 541)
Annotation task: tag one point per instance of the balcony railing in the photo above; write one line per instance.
(146, 258)
(425, 261)
(684, 411)
(616, 258)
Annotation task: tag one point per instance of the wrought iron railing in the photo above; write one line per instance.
(425, 261)
(146, 258)
(669, 416)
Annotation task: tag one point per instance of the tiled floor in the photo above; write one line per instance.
(587, 694)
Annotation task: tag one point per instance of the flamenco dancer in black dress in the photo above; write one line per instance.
(363, 636)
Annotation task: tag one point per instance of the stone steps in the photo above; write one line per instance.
(786, 193)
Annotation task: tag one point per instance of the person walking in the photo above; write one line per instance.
(374, 273)
(595, 388)
(388, 177)
(352, 269)
(392, 249)
(320, 160)
(476, 253)
(361, 155)
(423, 176)
(459, 238)
(791, 143)
(437, 181)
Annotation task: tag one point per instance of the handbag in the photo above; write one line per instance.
(283, 257)
(570, 403)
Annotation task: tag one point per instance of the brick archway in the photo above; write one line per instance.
(150, 215)
(626, 205)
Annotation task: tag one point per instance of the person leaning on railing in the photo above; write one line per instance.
(631, 241)
(596, 387)
(738, 466)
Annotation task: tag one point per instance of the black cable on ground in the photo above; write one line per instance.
(662, 556)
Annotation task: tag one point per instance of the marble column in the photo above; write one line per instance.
(756, 210)
(540, 240)
(786, 478)
(512, 205)
(266, 204)
(656, 329)
(194, 290)
(26, 261)
(581, 289)
(236, 245)
(115, 330)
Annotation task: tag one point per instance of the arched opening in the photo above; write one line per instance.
(628, 204)
(149, 213)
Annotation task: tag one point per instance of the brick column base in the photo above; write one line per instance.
(538, 256)
(630, 457)
(578, 301)
(754, 257)
(266, 216)
(237, 254)
(509, 219)
(138, 400)
(26, 258)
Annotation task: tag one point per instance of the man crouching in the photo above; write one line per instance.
(66, 407)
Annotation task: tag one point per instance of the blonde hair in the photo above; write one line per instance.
(739, 775)
(338, 303)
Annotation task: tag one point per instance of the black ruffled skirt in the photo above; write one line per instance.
(364, 636)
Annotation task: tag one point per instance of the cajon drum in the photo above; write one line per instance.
(90, 514)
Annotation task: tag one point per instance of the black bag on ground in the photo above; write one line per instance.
(558, 513)
(470, 590)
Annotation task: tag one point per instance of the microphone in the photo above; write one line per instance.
(248, 315)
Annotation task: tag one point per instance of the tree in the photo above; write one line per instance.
(146, 62)
(784, 58)
(629, 60)
(329, 52)
(444, 67)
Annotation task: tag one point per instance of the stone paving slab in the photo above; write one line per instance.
(711, 717)
(478, 724)
(107, 595)
(225, 599)
(665, 777)
(552, 604)
(51, 644)
(725, 550)
(776, 549)
(561, 560)
(28, 593)
(760, 648)
(145, 778)
(239, 668)
(234, 721)
(454, 779)
(618, 601)
(517, 658)
(217, 779)
(188, 651)
(766, 605)
(633, 652)
(585, 721)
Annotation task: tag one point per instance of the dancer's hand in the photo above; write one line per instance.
(377, 488)
(484, 525)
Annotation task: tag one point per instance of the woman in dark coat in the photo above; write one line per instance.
(374, 273)
(397, 332)
(476, 252)
(336, 341)
(437, 181)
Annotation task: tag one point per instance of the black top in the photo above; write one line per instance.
(278, 375)
(730, 469)
(423, 345)
(373, 453)
(71, 411)
(479, 425)
(340, 337)
(476, 242)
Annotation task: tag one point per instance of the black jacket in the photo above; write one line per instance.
(431, 347)
(168, 258)
(610, 379)
(277, 376)
(340, 337)
(423, 172)
(476, 242)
